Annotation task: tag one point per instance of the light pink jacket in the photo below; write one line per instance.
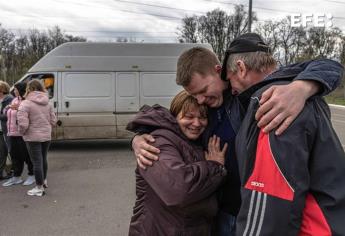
(36, 117)
(12, 124)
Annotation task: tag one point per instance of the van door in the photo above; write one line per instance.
(158, 88)
(50, 82)
(127, 100)
(87, 105)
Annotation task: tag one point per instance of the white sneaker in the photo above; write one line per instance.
(12, 181)
(36, 191)
(30, 180)
(45, 184)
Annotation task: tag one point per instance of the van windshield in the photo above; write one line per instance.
(48, 81)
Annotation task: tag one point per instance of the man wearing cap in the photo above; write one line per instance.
(292, 184)
(198, 71)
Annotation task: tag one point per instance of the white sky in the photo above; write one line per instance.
(104, 20)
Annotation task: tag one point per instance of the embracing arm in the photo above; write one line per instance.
(281, 104)
(326, 72)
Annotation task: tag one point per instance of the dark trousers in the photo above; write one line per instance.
(3, 153)
(19, 155)
(38, 153)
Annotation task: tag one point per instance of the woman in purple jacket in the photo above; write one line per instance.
(19, 152)
(176, 196)
(35, 120)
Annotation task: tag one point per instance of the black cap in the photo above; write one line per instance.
(248, 42)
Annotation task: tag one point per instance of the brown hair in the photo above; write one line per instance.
(195, 60)
(257, 61)
(184, 102)
(34, 85)
(4, 87)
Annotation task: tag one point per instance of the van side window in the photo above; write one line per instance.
(47, 80)
(48, 83)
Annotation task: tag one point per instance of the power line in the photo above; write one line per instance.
(104, 31)
(339, 2)
(159, 6)
(261, 8)
(152, 14)
(81, 17)
(276, 10)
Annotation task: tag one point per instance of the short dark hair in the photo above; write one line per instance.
(195, 60)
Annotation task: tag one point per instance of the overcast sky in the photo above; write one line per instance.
(143, 20)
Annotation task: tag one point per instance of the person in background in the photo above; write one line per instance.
(35, 120)
(19, 153)
(5, 100)
(176, 196)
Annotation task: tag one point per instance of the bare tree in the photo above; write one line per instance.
(269, 31)
(322, 43)
(189, 30)
(215, 27)
(56, 37)
(7, 51)
(291, 41)
(19, 53)
(342, 50)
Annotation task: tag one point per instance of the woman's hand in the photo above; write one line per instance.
(214, 152)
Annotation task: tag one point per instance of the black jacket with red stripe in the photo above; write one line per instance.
(292, 184)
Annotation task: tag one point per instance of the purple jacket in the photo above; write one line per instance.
(36, 117)
(176, 196)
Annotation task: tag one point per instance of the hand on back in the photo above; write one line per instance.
(144, 151)
(281, 104)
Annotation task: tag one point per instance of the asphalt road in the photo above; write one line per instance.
(91, 192)
(338, 121)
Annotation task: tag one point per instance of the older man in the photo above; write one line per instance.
(292, 184)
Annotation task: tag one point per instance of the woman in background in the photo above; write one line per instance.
(35, 120)
(19, 152)
(5, 100)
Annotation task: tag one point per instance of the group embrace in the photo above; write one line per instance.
(246, 149)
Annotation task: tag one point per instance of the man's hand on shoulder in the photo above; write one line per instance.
(143, 151)
(281, 104)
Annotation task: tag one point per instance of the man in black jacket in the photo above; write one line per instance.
(292, 184)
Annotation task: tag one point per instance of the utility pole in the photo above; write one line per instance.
(250, 17)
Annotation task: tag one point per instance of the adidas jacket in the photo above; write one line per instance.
(292, 184)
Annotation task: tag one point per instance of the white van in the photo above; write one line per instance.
(96, 88)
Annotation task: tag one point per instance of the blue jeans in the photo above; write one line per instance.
(225, 224)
